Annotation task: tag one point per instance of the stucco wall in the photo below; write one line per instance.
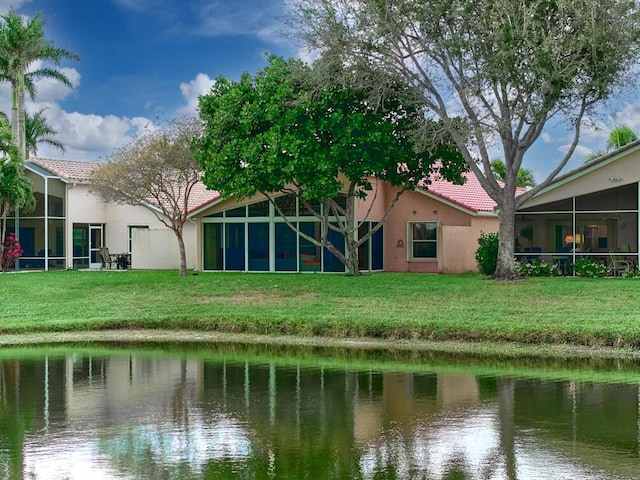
(457, 235)
(159, 247)
(156, 248)
(622, 171)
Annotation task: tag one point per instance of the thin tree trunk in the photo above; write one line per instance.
(21, 127)
(183, 254)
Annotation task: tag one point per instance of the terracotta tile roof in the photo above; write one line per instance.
(66, 169)
(200, 196)
(81, 171)
(470, 195)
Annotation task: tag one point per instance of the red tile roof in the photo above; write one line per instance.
(200, 196)
(67, 169)
(81, 171)
(470, 195)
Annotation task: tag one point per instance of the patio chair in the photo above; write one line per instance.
(618, 266)
(535, 251)
(105, 258)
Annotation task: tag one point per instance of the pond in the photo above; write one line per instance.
(218, 411)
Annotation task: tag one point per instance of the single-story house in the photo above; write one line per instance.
(434, 230)
(70, 224)
(591, 211)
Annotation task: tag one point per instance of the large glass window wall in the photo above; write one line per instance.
(255, 238)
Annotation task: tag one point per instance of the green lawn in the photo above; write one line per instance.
(598, 312)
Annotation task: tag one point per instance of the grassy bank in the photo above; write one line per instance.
(577, 311)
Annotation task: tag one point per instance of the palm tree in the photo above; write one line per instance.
(621, 136)
(15, 188)
(524, 178)
(21, 44)
(618, 137)
(37, 131)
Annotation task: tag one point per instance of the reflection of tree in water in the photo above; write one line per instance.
(457, 468)
(17, 412)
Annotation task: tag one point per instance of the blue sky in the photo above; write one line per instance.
(142, 61)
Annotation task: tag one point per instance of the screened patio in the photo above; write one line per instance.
(601, 225)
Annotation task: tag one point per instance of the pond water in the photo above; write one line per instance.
(231, 411)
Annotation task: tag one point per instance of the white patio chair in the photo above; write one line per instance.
(618, 266)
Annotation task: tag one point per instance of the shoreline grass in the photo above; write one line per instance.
(584, 312)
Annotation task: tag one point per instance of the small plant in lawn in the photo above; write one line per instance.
(537, 268)
(586, 267)
(11, 251)
(487, 253)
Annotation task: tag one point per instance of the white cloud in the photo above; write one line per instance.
(307, 55)
(50, 90)
(5, 5)
(87, 136)
(241, 17)
(192, 90)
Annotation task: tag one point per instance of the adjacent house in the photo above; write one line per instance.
(70, 225)
(433, 229)
(591, 211)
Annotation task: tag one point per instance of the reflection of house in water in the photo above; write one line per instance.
(135, 413)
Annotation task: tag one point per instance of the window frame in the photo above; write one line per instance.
(411, 241)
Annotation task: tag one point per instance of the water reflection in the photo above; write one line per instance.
(225, 413)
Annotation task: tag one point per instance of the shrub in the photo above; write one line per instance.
(487, 253)
(537, 268)
(11, 250)
(586, 267)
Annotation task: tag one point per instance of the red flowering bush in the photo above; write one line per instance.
(11, 250)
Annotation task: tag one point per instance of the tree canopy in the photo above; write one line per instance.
(156, 170)
(274, 133)
(506, 68)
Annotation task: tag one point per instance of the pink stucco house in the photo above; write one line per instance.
(431, 230)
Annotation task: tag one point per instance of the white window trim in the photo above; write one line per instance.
(409, 242)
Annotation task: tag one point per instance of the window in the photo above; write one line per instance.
(423, 239)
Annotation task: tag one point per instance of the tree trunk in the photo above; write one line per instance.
(351, 254)
(351, 264)
(22, 142)
(183, 254)
(506, 266)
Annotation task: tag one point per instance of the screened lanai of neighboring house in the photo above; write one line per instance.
(589, 212)
(41, 232)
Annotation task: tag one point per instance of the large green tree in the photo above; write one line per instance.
(273, 133)
(22, 43)
(506, 67)
(156, 171)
